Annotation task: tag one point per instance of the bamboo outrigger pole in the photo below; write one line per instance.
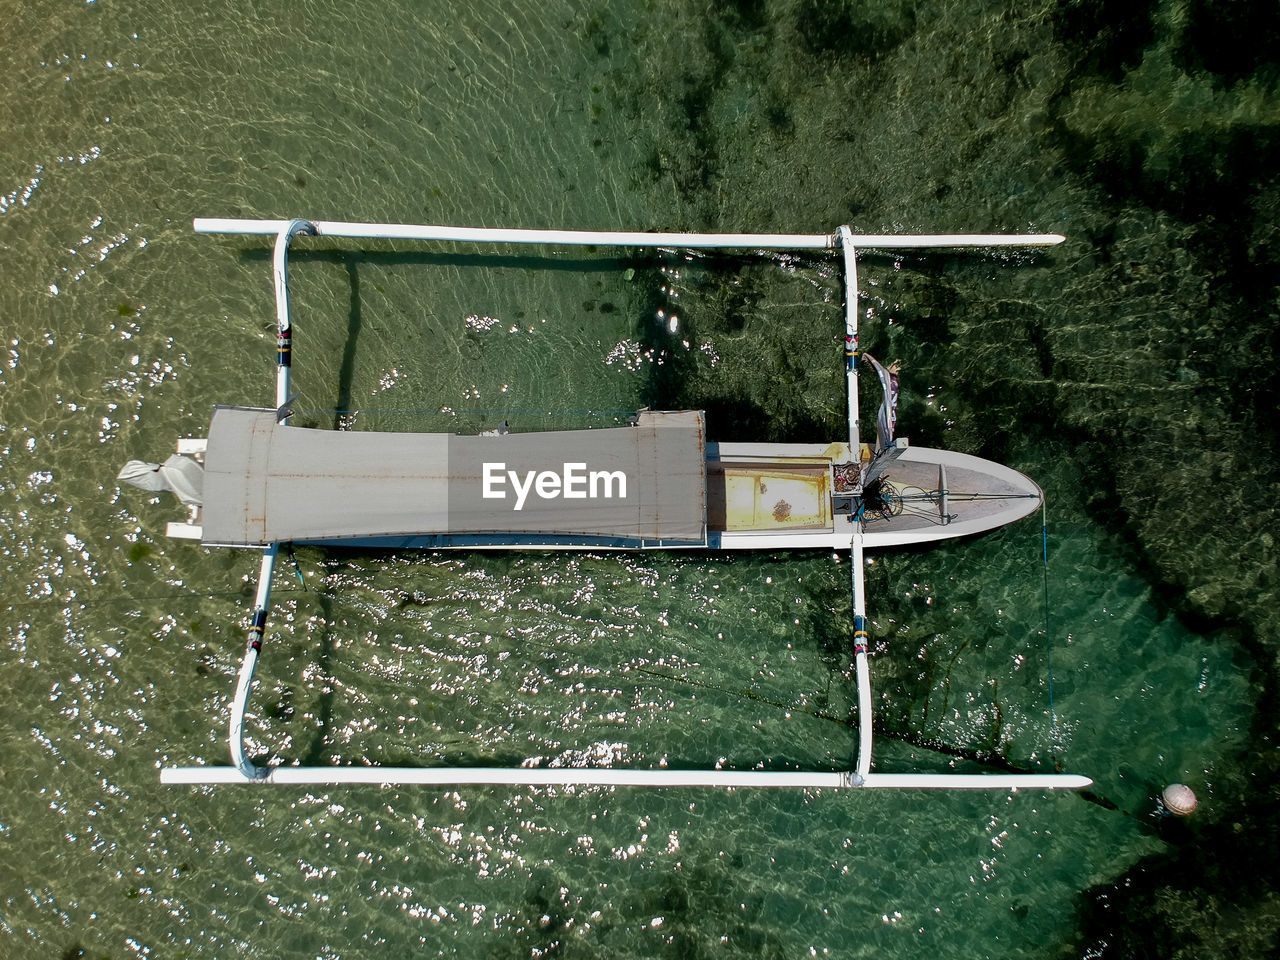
(616, 238)
(244, 771)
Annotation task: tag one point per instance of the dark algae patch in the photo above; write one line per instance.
(1234, 40)
(1104, 39)
(837, 29)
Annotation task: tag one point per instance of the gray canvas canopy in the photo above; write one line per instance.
(268, 483)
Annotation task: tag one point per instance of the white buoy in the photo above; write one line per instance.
(1179, 799)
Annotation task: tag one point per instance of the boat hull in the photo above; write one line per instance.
(945, 495)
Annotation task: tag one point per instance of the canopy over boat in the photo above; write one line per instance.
(269, 483)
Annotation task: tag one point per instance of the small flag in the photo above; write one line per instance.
(887, 418)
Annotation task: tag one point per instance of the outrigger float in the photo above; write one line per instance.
(256, 482)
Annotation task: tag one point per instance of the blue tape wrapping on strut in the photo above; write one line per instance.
(284, 347)
(859, 635)
(258, 628)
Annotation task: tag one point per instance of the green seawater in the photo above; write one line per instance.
(1127, 370)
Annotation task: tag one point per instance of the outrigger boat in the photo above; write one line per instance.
(657, 483)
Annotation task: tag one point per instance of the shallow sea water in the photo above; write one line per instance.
(123, 328)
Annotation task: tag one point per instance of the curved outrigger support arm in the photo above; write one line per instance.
(262, 603)
(860, 659)
(284, 322)
(851, 335)
(249, 666)
(863, 770)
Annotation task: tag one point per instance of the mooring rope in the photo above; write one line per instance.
(296, 569)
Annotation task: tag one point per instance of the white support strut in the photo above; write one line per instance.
(284, 321)
(248, 667)
(860, 655)
(605, 238)
(615, 238)
(851, 338)
(513, 776)
(856, 572)
(612, 777)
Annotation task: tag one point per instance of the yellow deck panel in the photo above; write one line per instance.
(768, 496)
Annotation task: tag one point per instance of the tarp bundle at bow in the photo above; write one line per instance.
(179, 475)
